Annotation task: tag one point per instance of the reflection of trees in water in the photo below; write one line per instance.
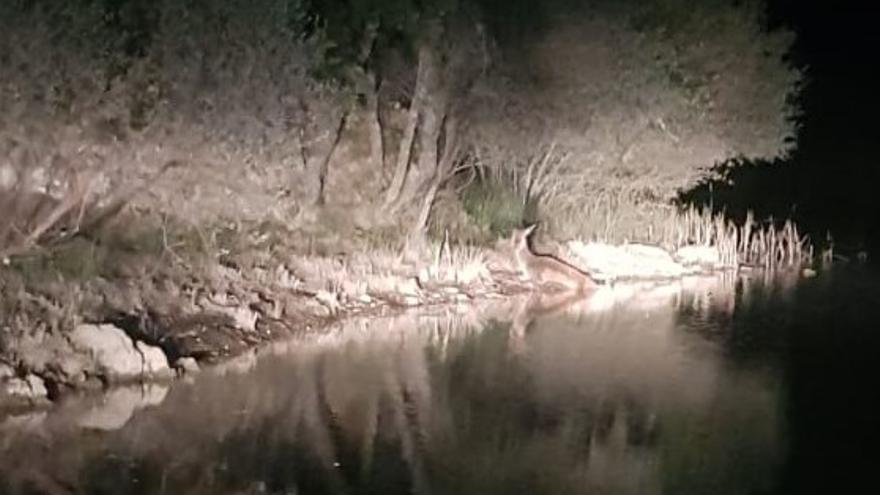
(507, 438)
(589, 402)
(657, 417)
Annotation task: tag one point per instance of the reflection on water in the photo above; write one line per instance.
(649, 389)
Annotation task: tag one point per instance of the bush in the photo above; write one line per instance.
(636, 101)
(113, 92)
(495, 207)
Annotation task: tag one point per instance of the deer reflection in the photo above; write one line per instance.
(529, 308)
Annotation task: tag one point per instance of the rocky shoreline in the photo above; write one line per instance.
(247, 308)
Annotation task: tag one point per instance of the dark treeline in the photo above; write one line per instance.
(829, 183)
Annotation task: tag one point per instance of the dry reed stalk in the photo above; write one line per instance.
(750, 243)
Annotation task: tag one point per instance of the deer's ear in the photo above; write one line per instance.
(528, 230)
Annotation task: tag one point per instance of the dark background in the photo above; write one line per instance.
(830, 183)
(833, 180)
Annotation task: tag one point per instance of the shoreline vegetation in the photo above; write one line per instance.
(181, 181)
(96, 314)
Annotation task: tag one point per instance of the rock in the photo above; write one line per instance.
(115, 356)
(704, 256)
(37, 387)
(8, 176)
(244, 317)
(30, 388)
(110, 349)
(654, 261)
(6, 372)
(73, 366)
(606, 262)
(408, 287)
(155, 364)
(648, 252)
(330, 300)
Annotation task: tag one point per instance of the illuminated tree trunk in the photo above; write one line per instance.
(442, 172)
(377, 147)
(424, 119)
(404, 151)
(324, 169)
(365, 77)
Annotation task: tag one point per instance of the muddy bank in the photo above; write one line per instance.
(343, 396)
(150, 318)
(39, 365)
(441, 324)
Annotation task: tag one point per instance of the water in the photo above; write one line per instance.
(722, 386)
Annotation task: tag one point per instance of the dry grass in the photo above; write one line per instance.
(761, 244)
(626, 215)
(385, 270)
(458, 264)
(753, 243)
(649, 115)
(33, 217)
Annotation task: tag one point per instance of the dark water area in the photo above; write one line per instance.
(746, 385)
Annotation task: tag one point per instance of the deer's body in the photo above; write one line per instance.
(546, 270)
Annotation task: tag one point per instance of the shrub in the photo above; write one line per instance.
(496, 207)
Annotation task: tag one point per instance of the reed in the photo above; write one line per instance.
(767, 244)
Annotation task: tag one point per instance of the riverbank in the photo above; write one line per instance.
(635, 383)
(445, 325)
(91, 313)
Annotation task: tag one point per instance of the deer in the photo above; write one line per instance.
(546, 270)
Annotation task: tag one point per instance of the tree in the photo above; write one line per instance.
(609, 110)
(435, 34)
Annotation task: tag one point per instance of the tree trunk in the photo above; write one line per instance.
(365, 78)
(442, 172)
(424, 117)
(377, 147)
(430, 108)
(324, 169)
(404, 151)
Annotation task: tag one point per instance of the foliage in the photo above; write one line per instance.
(113, 93)
(496, 207)
(759, 244)
(636, 101)
(357, 35)
(615, 103)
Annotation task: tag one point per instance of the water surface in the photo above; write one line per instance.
(716, 386)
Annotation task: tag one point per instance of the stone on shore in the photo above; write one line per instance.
(114, 355)
(28, 389)
(702, 256)
(633, 261)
